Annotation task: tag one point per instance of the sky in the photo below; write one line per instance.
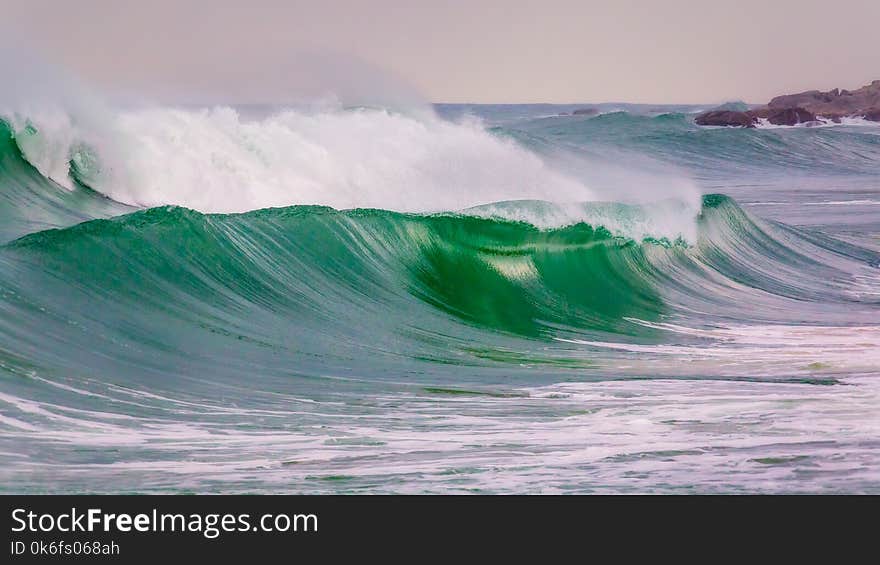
(491, 51)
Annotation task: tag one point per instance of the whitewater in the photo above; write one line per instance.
(454, 298)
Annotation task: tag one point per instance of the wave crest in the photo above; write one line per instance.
(218, 161)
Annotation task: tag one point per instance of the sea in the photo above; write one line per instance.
(451, 298)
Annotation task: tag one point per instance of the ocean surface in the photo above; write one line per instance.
(449, 299)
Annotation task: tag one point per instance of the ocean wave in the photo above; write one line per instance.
(314, 275)
(214, 160)
(261, 349)
(717, 153)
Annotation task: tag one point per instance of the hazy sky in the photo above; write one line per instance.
(459, 51)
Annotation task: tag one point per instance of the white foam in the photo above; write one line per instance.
(214, 160)
(752, 350)
(673, 219)
(614, 436)
(820, 122)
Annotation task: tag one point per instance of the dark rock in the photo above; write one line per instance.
(803, 107)
(811, 97)
(776, 116)
(725, 118)
(872, 114)
(784, 116)
(585, 112)
(834, 103)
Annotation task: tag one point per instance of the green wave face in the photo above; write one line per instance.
(307, 265)
(311, 289)
(514, 278)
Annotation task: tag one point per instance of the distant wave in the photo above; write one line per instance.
(849, 148)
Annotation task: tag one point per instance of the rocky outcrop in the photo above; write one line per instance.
(803, 107)
(726, 118)
(585, 112)
(751, 118)
(834, 103)
(786, 116)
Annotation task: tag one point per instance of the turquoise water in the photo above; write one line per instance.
(191, 308)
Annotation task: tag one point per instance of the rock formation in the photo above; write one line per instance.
(726, 118)
(804, 107)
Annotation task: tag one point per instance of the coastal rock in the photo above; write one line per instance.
(803, 108)
(872, 114)
(803, 99)
(784, 116)
(834, 103)
(726, 118)
(585, 112)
